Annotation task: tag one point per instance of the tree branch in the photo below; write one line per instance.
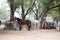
(28, 11)
(51, 8)
(30, 8)
(42, 12)
(54, 6)
(48, 10)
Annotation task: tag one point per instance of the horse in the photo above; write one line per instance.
(23, 22)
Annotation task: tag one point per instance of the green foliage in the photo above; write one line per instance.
(16, 3)
(26, 3)
(3, 15)
(42, 4)
(54, 12)
(46, 2)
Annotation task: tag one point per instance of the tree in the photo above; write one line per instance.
(48, 5)
(14, 4)
(3, 15)
(25, 5)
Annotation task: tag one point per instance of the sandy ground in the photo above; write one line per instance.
(30, 35)
(36, 34)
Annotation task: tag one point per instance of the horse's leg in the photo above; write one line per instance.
(29, 27)
(20, 28)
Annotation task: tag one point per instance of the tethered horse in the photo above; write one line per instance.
(23, 22)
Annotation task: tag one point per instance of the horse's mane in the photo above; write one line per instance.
(18, 19)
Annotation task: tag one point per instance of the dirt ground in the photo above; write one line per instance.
(30, 35)
(36, 34)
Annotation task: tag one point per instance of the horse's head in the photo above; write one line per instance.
(17, 19)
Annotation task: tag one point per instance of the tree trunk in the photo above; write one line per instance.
(59, 13)
(23, 14)
(11, 25)
(41, 23)
(12, 10)
(23, 17)
(37, 17)
(12, 15)
(59, 17)
(43, 20)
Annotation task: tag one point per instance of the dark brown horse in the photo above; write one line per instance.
(24, 22)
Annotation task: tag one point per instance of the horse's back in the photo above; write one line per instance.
(23, 22)
(28, 21)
